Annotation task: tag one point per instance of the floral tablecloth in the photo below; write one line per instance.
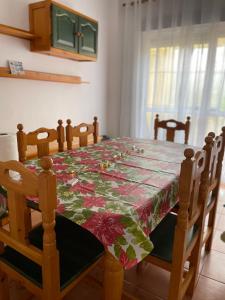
(124, 200)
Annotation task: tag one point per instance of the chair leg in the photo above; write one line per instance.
(194, 264)
(4, 286)
(211, 224)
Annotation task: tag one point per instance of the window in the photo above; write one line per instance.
(188, 78)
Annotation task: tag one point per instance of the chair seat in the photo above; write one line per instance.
(78, 249)
(162, 237)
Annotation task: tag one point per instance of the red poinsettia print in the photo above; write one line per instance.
(64, 177)
(125, 261)
(31, 168)
(108, 177)
(89, 161)
(98, 148)
(131, 190)
(105, 226)
(90, 201)
(123, 190)
(83, 188)
(144, 211)
(138, 192)
(165, 204)
(81, 154)
(60, 167)
(58, 160)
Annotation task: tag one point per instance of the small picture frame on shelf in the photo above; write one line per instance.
(16, 67)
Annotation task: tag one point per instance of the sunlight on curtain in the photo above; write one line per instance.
(173, 64)
(165, 83)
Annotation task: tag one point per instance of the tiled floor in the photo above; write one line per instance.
(150, 282)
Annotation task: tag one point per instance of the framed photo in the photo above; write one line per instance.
(16, 67)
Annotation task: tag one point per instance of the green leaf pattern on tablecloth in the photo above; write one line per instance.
(122, 204)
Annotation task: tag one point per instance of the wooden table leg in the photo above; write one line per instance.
(4, 286)
(113, 278)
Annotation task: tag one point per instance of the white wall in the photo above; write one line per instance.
(39, 103)
(114, 67)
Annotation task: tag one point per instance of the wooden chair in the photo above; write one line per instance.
(52, 258)
(77, 131)
(42, 144)
(170, 130)
(177, 238)
(214, 148)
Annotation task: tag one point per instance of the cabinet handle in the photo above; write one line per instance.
(79, 34)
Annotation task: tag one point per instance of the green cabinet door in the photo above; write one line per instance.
(64, 29)
(88, 37)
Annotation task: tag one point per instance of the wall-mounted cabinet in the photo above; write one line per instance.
(62, 31)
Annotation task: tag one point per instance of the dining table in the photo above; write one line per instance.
(119, 189)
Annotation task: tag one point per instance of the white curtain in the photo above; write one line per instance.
(174, 65)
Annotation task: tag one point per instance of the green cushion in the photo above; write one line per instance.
(3, 191)
(3, 208)
(78, 249)
(162, 237)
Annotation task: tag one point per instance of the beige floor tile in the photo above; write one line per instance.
(139, 293)
(218, 218)
(150, 278)
(214, 266)
(217, 244)
(221, 208)
(221, 223)
(208, 289)
(85, 290)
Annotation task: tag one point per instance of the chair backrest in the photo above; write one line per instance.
(188, 234)
(170, 130)
(42, 143)
(190, 196)
(18, 188)
(81, 131)
(220, 149)
(214, 148)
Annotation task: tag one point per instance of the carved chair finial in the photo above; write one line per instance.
(60, 122)
(46, 163)
(212, 134)
(189, 153)
(20, 127)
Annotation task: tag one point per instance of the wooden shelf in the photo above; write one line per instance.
(13, 31)
(33, 75)
(66, 54)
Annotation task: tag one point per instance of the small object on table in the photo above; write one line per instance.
(138, 150)
(123, 154)
(107, 164)
(106, 137)
(119, 155)
(142, 150)
(133, 147)
(73, 181)
(102, 166)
